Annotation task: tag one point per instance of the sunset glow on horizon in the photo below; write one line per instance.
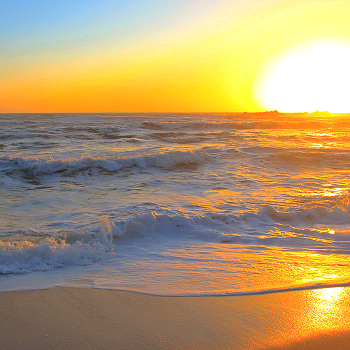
(162, 56)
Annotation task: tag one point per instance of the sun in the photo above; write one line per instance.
(313, 76)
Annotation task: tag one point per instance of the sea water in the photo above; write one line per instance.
(174, 204)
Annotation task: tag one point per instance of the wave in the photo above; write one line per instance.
(180, 137)
(248, 122)
(318, 215)
(88, 132)
(268, 227)
(289, 158)
(255, 228)
(8, 136)
(232, 125)
(334, 159)
(48, 166)
(26, 256)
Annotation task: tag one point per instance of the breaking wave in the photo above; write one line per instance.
(25, 256)
(48, 166)
(298, 230)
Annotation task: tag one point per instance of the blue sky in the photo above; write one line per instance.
(26, 24)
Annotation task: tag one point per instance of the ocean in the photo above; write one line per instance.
(174, 204)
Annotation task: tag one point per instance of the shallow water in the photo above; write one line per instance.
(174, 204)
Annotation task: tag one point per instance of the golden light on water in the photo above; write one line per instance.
(313, 76)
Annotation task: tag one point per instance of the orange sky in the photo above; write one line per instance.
(153, 57)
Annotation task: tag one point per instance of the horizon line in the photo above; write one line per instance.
(244, 112)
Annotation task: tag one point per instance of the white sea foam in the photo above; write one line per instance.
(52, 165)
(24, 256)
(52, 252)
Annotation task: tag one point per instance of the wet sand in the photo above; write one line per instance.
(69, 318)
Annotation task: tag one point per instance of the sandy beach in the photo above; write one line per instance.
(68, 318)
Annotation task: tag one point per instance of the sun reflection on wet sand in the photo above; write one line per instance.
(312, 316)
(326, 312)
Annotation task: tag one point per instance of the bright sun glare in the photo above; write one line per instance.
(307, 79)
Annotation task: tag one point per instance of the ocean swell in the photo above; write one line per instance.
(48, 166)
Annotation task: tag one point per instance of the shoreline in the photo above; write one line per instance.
(190, 294)
(76, 318)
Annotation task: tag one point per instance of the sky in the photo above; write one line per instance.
(151, 55)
